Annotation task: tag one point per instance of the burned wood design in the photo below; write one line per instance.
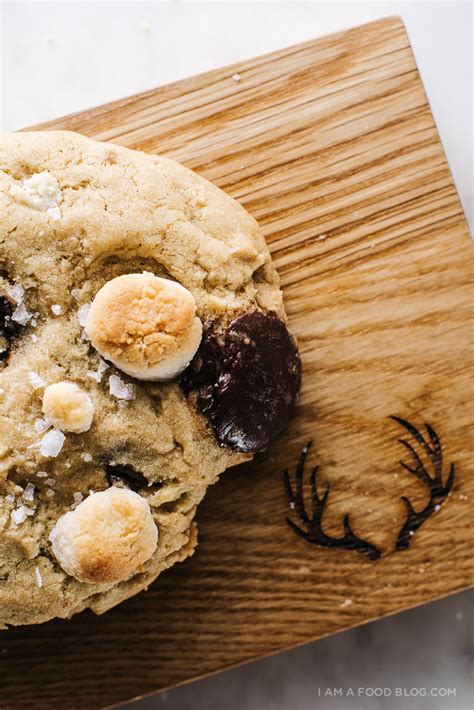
(312, 530)
(438, 491)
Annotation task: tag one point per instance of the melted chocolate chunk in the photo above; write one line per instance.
(9, 329)
(125, 473)
(248, 386)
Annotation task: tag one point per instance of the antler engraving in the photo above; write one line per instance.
(434, 483)
(312, 531)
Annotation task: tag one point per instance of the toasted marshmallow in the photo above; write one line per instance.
(67, 407)
(145, 325)
(107, 538)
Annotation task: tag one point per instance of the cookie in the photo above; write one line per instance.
(143, 351)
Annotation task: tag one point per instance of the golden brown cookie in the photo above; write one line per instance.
(117, 270)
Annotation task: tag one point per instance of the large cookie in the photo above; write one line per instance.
(101, 471)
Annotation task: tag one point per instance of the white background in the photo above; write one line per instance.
(61, 57)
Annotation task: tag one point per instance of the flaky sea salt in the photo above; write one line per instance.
(21, 513)
(52, 443)
(29, 492)
(86, 457)
(82, 314)
(16, 292)
(39, 578)
(10, 498)
(50, 493)
(41, 425)
(20, 314)
(75, 293)
(42, 474)
(36, 381)
(50, 481)
(119, 389)
(236, 78)
(97, 376)
(78, 498)
(34, 337)
(56, 309)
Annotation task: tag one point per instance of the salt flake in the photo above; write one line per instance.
(29, 492)
(41, 425)
(52, 443)
(39, 578)
(97, 376)
(21, 513)
(82, 314)
(20, 314)
(16, 292)
(78, 498)
(36, 381)
(119, 389)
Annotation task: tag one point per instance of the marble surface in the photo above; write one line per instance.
(60, 57)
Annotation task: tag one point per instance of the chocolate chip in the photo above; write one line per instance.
(248, 386)
(9, 329)
(125, 473)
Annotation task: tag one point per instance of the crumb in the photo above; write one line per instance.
(236, 78)
(346, 603)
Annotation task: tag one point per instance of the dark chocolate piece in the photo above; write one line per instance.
(125, 473)
(9, 329)
(248, 386)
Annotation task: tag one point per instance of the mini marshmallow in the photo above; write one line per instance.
(107, 538)
(145, 325)
(67, 407)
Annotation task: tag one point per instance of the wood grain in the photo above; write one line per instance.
(331, 145)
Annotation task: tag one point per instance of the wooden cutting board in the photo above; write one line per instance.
(331, 145)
